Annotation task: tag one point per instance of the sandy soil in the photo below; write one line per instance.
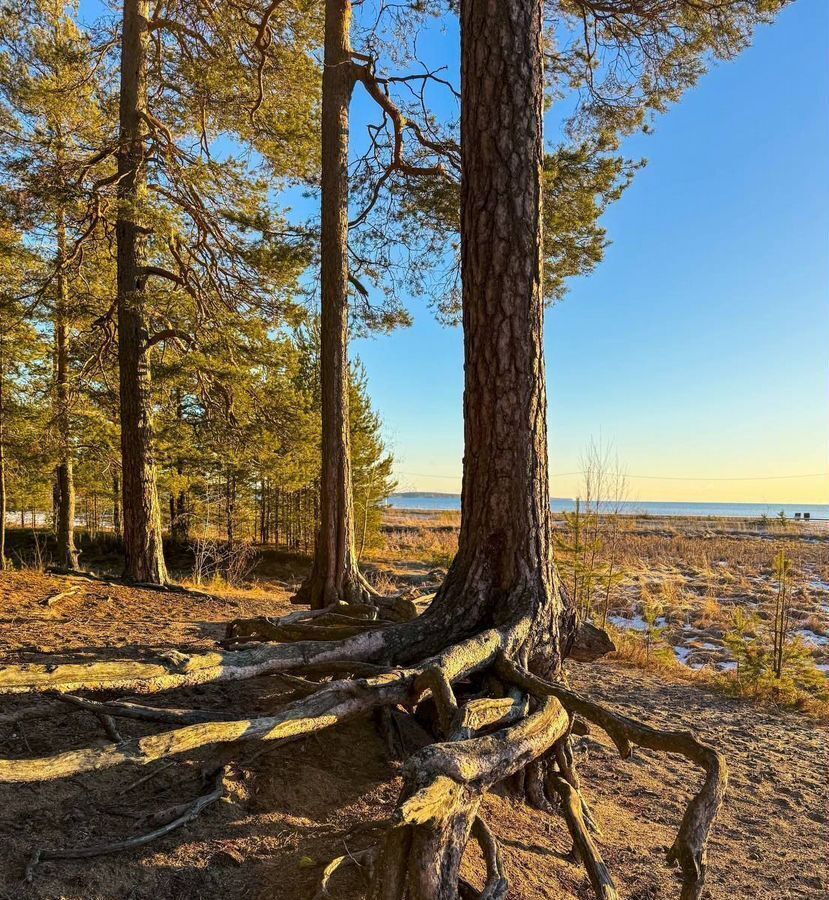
(292, 809)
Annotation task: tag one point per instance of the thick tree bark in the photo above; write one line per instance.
(65, 512)
(144, 556)
(334, 574)
(504, 567)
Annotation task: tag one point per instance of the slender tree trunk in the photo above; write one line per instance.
(179, 513)
(143, 550)
(2, 456)
(116, 505)
(65, 518)
(230, 506)
(334, 574)
(182, 513)
(277, 516)
(263, 512)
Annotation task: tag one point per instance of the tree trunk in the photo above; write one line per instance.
(143, 550)
(182, 520)
(65, 518)
(2, 457)
(503, 573)
(116, 505)
(334, 574)
(504, 567)
(230, 507)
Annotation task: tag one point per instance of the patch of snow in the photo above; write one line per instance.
(682, 654)
(727, 666)
(812, 637)
(819, 585)
(636, 623)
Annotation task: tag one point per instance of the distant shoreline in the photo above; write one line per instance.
(423, 501)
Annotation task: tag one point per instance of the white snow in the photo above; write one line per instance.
(636, 623)
(812, 637)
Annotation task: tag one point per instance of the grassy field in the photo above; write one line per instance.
(691, 597)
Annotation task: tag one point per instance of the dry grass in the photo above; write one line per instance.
(694, 572)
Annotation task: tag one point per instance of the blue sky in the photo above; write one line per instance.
(698, 349)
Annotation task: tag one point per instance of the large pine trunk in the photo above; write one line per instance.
(334, 574)
(504, 567)
(67, 553)
(144, 556)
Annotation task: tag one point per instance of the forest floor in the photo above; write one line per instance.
(292, 809)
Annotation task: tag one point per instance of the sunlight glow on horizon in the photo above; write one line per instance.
(810, 489)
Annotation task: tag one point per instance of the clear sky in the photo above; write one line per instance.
(699, 347)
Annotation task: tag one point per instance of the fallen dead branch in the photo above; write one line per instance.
(54, 599)
(188, 814)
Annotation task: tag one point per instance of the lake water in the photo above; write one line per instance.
(650, 507)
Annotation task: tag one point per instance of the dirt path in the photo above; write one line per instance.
(291, 810)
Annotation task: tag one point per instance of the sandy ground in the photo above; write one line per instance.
(289, 811)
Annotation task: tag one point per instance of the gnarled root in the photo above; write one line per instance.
(584, 849)
(690, 847)
(496, 882)
(444, 784)
(420, 856)
(174, 670)
(339, 620)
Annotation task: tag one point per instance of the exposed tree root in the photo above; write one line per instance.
(420, 856)
(176, 670)
(497, 885)
(127, 710)
(584, 849)
(321, 589)
(187, 814)
(109, 727)
(166, 588)
(563, 752)
(363, 858)
(339, 620)
(333, 703)
(36, 711)
(444, 784)
(690, 847)
(118, 709)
